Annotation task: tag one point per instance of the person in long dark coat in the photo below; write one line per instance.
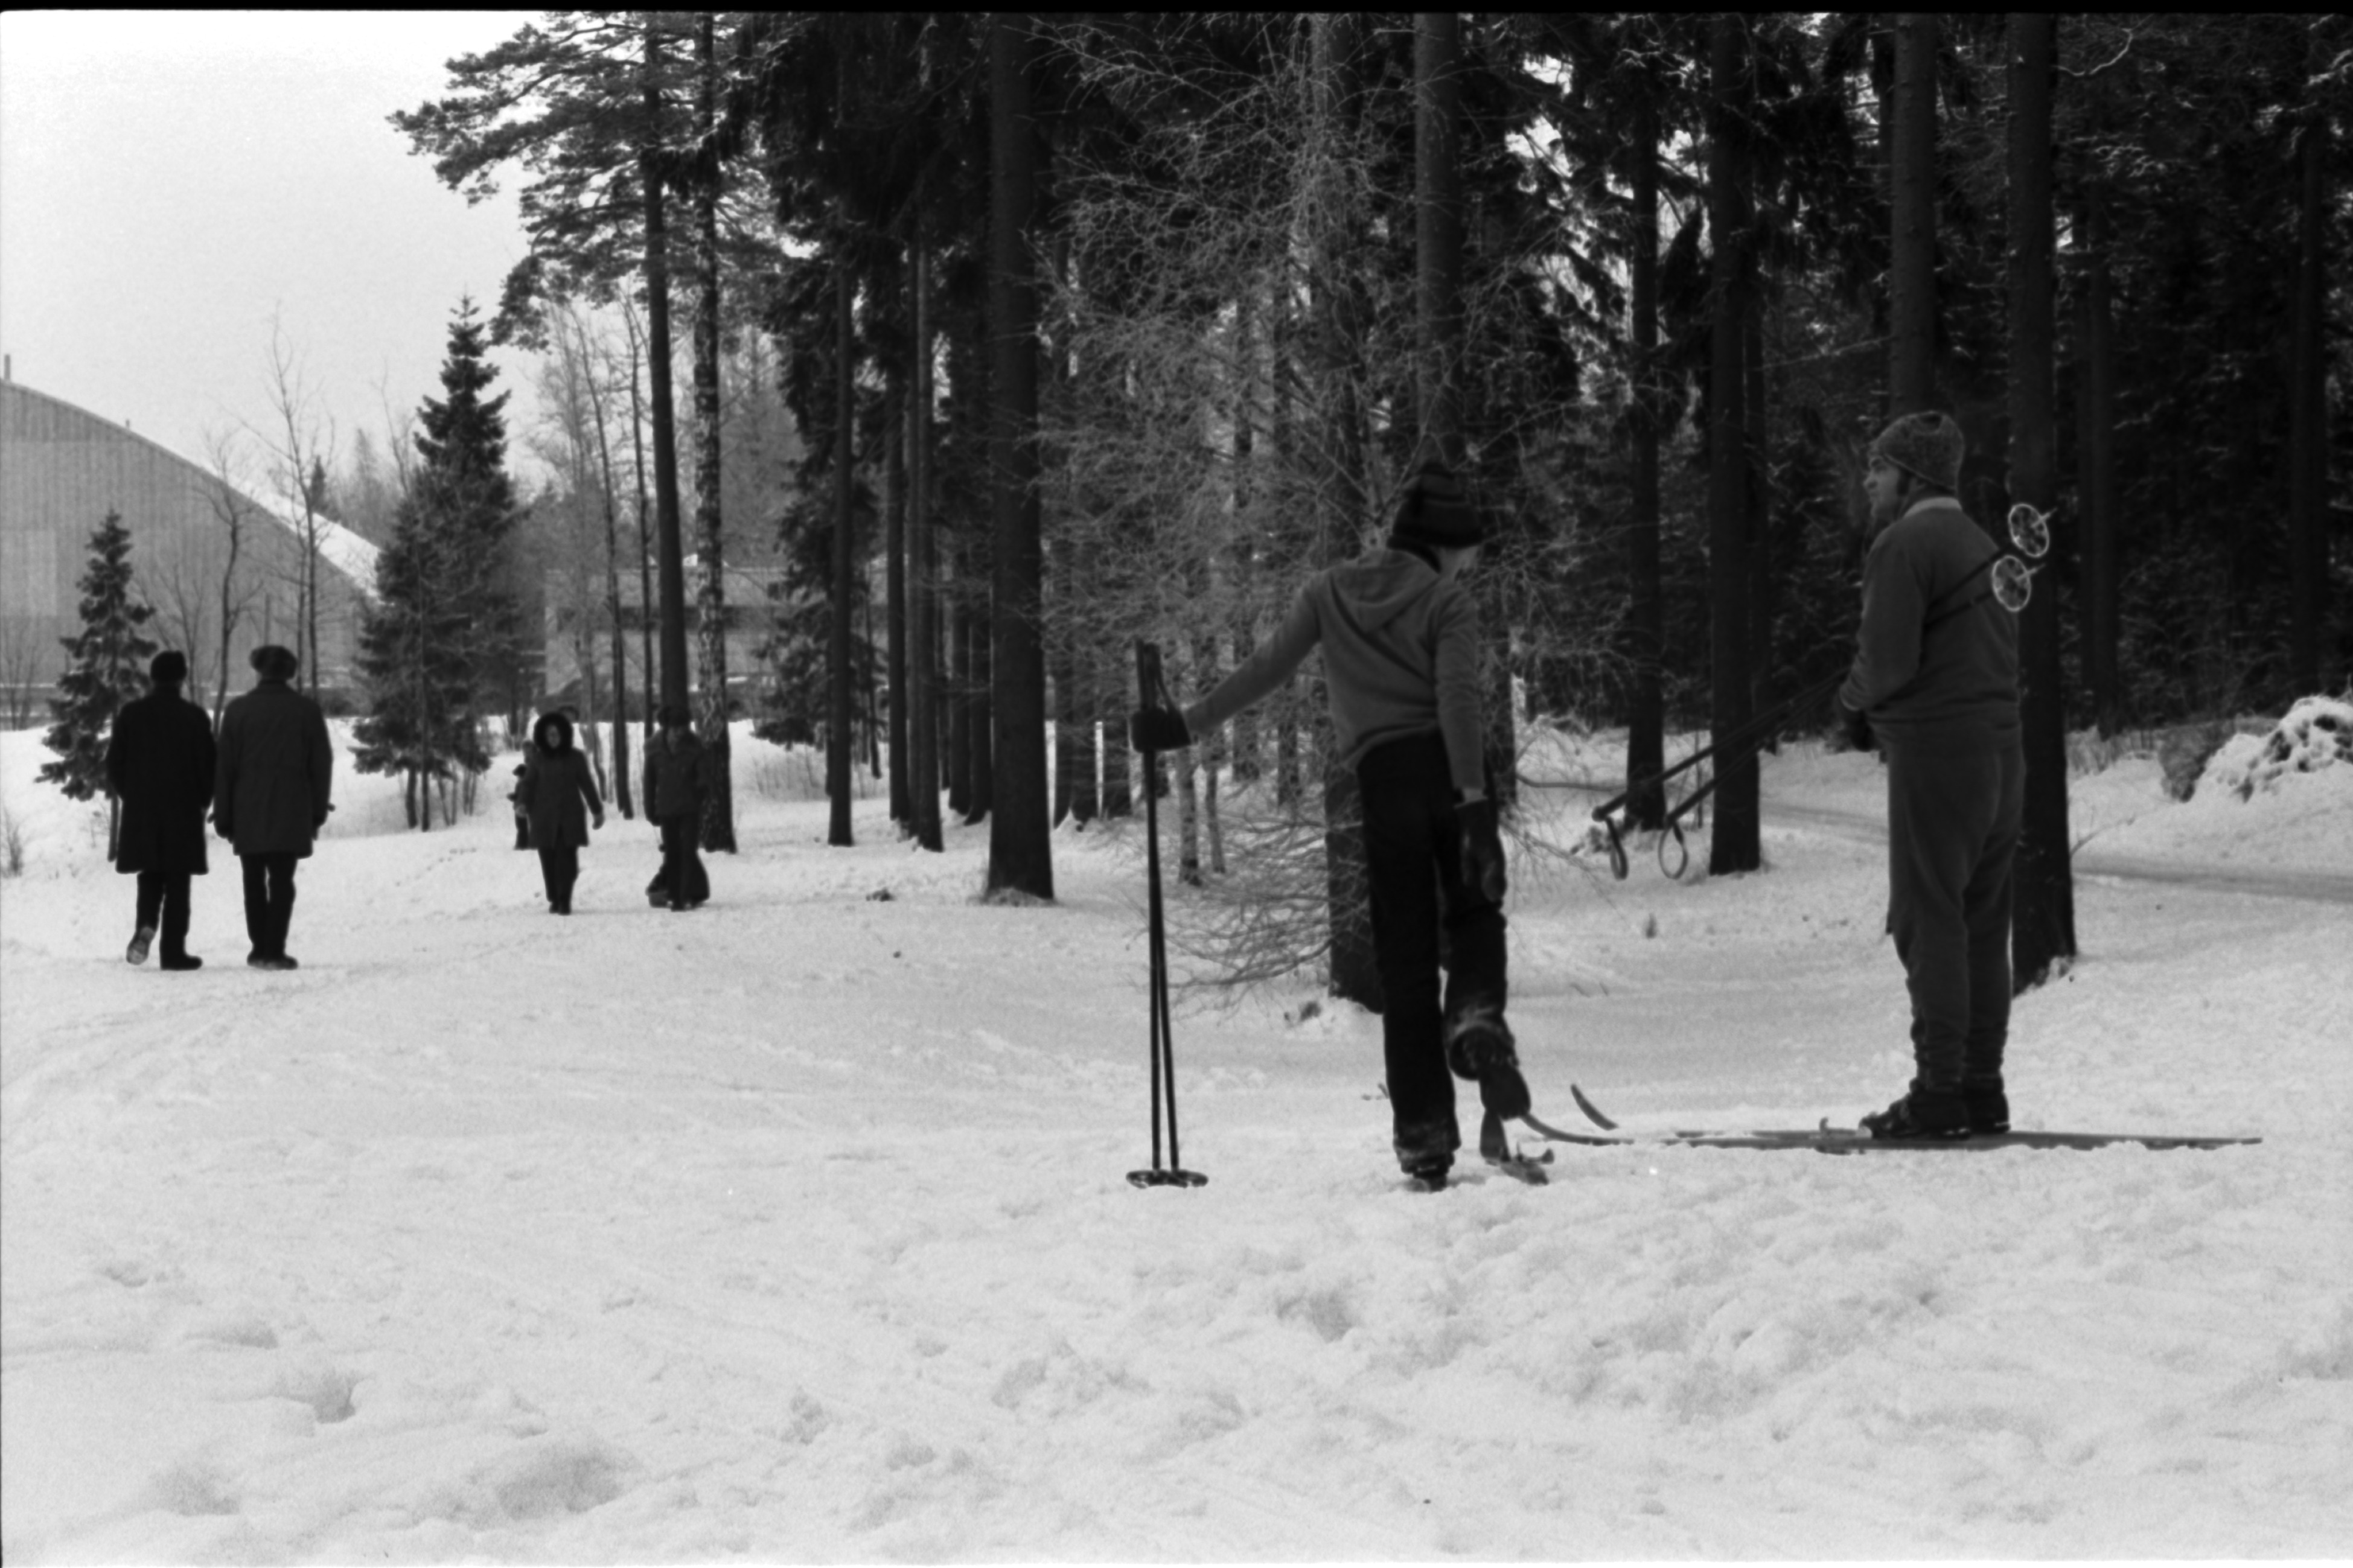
(678, 781)
(558, 797)
(158, 763)
(271, 794)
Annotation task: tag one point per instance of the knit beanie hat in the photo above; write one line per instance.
(674, 716)
(1928, 446)
(169, 668)
(1435, 510)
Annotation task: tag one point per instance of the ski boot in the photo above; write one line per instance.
(1479, 1046)
(1924, 1115)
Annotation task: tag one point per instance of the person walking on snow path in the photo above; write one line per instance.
(678, 782)
(158, 763)
(1934, 684)
(559, 800)
(271, 794)
(1400, 640)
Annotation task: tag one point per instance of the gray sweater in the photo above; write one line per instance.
(1400, 657)
(1947, 686)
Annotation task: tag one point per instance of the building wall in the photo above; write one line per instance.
(63, 468)
(576, 616)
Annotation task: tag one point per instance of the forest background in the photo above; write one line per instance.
(1008, 342)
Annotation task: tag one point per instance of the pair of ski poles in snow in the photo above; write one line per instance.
(2009, 582)
(1152, 691)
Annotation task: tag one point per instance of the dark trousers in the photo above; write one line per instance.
(1952, 835)
(682, 876)
(559, 868)
(164, 904)
(1413, 848)
(269, 901)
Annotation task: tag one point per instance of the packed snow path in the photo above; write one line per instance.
(797, 1227)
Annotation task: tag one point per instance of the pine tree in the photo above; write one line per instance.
(108, 667)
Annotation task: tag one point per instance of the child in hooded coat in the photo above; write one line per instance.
(559, 798)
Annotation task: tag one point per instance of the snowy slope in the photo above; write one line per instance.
(796, 1228)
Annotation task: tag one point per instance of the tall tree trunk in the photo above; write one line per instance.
(1912, 261)
(668, 546)
(1762, 582)
(1646, 621)
(621, 787)
(1020, 833)
(922, 602)
(2308, 420)
(837, 675)
(1438, 233)
(956, 711)
(1733, 846)
(718, 827)
(2095, 462)
(650, 672)
(1334, 40)
(2043, 916)
(895, 588)
(974, 536)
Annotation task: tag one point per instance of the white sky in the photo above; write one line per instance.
(170, 179)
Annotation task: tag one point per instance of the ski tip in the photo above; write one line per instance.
(1593, 1111)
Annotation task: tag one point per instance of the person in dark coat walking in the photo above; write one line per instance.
(1934, 685)
(678, 782)
(558, 797)
(271, 794)
(1399, 634)
(158, 763)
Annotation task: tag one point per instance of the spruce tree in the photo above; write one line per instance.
(470, 503)
(440, 644)
(109, 668)
(413, 657)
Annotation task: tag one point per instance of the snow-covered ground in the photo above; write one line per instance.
(796, 1229)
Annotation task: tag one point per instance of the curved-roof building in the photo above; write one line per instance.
(63, 468)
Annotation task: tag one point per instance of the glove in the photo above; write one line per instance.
(1858, 727)
(1158, 729)
(221, 826)
(599, 820)
(1482, 849)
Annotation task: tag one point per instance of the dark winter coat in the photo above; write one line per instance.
(160, 765)
(678, 776)
(558, 794)
(271, 791)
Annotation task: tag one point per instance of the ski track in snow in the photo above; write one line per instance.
(796, 1229)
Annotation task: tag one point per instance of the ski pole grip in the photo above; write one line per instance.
(1150, 691)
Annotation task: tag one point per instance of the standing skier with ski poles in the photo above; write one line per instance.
(1934, 684)
(1400, 640)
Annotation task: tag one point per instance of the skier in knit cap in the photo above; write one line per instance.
(1935, 686)
(1400, 640)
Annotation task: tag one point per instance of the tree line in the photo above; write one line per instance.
(1009, 340)
(1104, 328)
